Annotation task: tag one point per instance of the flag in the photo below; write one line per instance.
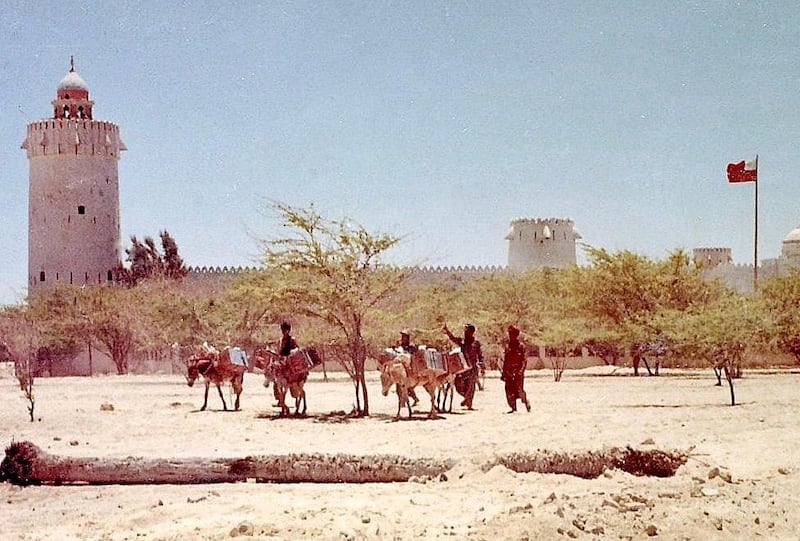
(744, 171)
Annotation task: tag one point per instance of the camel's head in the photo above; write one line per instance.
(192, 372)
(391, 373)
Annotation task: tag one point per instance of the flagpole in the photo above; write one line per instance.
(755, 232)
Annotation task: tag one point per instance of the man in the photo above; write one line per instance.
(514, 364)
(471, 348)
(285, 347)
(406, 346)
(405, 342)
(287, 343)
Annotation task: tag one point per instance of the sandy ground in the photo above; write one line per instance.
(755, 443)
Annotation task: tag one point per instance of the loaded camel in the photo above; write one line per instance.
(216, 367)
(287, 374)
(399, 372)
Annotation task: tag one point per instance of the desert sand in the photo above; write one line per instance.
(740, 481)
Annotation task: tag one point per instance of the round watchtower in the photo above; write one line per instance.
(73, 197)
(542, 242)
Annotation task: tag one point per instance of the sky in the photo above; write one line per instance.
(435, 121)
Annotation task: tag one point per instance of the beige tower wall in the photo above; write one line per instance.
(530, 245)
(73, 205)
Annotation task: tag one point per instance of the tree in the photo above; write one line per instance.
(717, 332)
(115, 314)
(781, 300)
(332, 271)
(19, 342)
(622, 294)
(146, 261)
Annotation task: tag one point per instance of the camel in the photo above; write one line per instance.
(215, 367)
(286, 374)
(398, 372)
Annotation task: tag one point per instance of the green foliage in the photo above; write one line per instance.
(781, 300)
(147, 262)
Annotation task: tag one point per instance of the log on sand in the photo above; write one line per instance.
(26, 464)
(592, 464)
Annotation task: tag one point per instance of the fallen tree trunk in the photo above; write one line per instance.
(592, 464)
(26, 464)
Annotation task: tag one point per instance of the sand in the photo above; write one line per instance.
(740, 481)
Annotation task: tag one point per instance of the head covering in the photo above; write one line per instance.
(513, 331)
(469, 326)
(405, 331)
(286, 325)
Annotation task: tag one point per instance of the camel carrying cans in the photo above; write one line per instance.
(302, 360)
(455, 362)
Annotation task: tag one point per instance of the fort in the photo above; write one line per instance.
(74, 213)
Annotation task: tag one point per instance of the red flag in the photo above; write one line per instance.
(743, 171)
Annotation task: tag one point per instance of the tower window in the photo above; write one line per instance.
(81, 209)
(41, 276)
(109, 276)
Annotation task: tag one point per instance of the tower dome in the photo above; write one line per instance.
(791, 244)
(73, 81)
(72, 97)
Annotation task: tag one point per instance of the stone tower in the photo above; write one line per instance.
(73, 198)
(710, 258)
(538, 243)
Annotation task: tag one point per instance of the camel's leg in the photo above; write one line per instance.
(402, 399)
(718, 373)
(282, 400)
(205, 397)
(222, 397)
(237, 388)
(431, 388)
(450, 391)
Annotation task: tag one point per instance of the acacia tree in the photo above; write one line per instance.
(717, 332)
(332, 270)
(622, 294)
(114, 315)
(781, 299)
(19, 342)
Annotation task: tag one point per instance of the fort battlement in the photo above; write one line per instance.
(77, 137)
(541, 221)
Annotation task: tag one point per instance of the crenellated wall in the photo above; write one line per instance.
(78, 137)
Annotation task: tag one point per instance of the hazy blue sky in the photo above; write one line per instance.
(436, 121)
